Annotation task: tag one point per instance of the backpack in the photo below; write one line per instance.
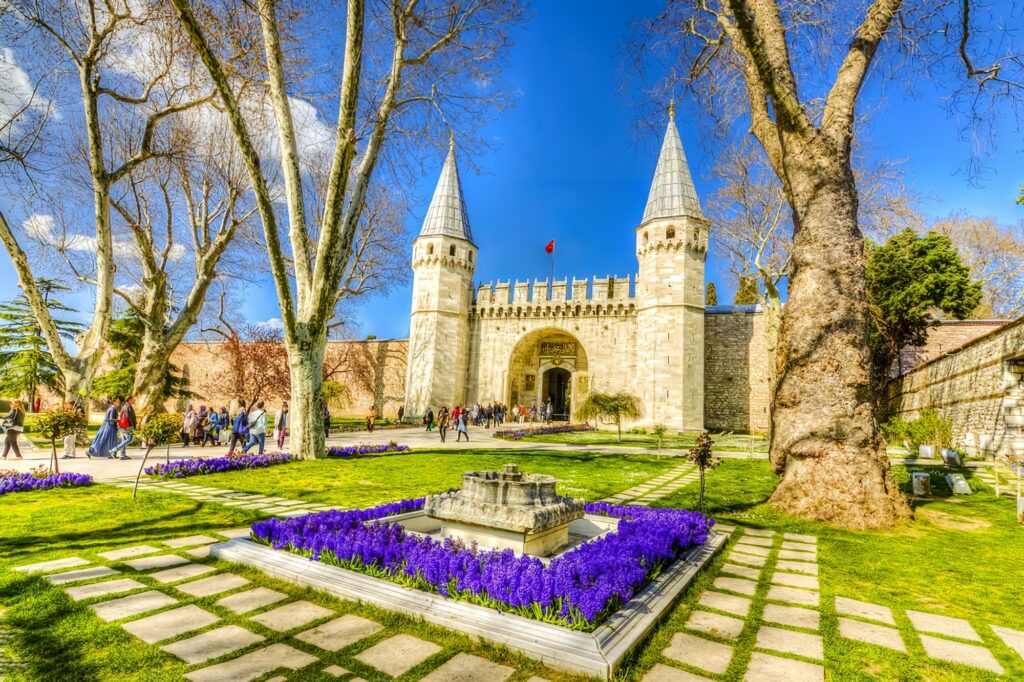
(122, 421)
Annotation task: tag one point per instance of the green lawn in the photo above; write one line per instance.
(733, 442)
(961, 557)
(369, 480)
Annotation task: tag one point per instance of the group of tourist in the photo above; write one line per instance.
(248, 428)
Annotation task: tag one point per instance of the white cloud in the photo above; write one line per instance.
(16, 90)
(274, 323)
(40, 227)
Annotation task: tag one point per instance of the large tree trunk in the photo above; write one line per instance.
(825, 440)
(306, 410)
(151, 376)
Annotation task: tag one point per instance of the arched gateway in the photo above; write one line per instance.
(548, 365)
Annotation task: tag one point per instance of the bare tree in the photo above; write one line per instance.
(825, 442)
(995, 255)
(407, 68)
(97, 40)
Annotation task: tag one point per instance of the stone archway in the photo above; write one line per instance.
(548, 364)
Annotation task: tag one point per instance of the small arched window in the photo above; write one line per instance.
(470, 256)
(451, 250)
(696, 234)
(430, 249)
(646, 239)
(670, 233)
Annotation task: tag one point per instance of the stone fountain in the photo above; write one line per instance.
(506, 509)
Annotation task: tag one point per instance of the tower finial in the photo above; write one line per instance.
(672, 109)
(451, 140)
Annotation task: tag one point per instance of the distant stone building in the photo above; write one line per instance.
(531, 343)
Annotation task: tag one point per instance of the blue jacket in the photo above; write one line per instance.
(241, 424)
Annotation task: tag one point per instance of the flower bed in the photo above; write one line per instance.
(197, 466)
(519, 434)
(578, 589)
(14, 482)
(353, 450)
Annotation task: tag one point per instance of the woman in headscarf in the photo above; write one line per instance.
(106, 437)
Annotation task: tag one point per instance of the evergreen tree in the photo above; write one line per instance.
(125, 341)
(746, 291)
(711, 295)
(25, 361)
(908, 279)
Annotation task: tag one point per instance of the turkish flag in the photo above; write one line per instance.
(550, 248)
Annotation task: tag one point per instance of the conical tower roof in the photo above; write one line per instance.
(447, 214)
(672, 192)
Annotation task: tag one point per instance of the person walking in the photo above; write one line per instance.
(211, 430)
(371, 418)
(13, 425)
(223, 422)
(239, 429)
(461, 428)
(106, 438)
(401, 413)
(71, 438)
(199, 428)
(281, 424)
(188, 425)
(428, 418)
(125, 428)
(443, 418)
(327, 422)
(257, 429)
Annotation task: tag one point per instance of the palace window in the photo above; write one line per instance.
(646, 239)
(451, 250)
(430, 249)
(670, 233)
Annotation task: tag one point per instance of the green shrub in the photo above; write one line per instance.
(928, 429)
(55, 424)
(637, 431)
(161, 429)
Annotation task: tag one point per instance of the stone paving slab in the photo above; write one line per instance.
(469, 668)
(957, 652)
(793, 595)
(793, 616)
(943, 625)
(254, 664)
(760, 542)
(746, 559)
(132, 605)
(191, 540)
(335, 671)
(171, 575)
(339, 633)
(799, 546)
(879, 635)
(760, 532)
(55, 565)
(809, 539)
(796, 567)
(742, 571)
(797, 556)
(398, 654)
(808, 582)
(751, 549)
(699, 652)
(212, 644)
(169, 624)
(723, 528)
(739, 606)
(128, 552)
(199, 552)
(81, 574)
(243, 602)
(1012, 638)
(215, 584)
(768, 668)
(663, 673)
(102, 589)
(790, 642)
(291, 616)
(294, 512)
(715, 624)
(740, 585)
(161, 561)
(863, 609)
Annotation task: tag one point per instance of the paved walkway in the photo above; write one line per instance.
(169, 595)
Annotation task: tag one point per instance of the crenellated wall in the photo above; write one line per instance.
(605, 290)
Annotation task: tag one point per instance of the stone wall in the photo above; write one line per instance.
(735, 369)
(373, 371)
(947, 336)
(976, 385)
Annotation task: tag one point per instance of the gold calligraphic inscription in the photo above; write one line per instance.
(559, 348)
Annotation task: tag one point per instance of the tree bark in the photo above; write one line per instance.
(306, 410)
(825, 440)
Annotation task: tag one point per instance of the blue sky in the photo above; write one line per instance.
(570, 164)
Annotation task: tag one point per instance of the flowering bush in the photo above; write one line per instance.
(352, 450)
(578, 589)
(519, 434)
(13, 482)
(197, 466)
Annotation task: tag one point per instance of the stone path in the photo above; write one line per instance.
(658, 487)
(159, 594)
(263, 504)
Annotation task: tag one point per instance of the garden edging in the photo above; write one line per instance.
(594, 653)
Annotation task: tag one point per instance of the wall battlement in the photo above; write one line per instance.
(602, 290)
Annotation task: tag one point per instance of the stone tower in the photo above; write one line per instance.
(671, 245)
(443, 260)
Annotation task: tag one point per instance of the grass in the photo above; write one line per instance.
(960, 557)
(732, 442)
(368, 480)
